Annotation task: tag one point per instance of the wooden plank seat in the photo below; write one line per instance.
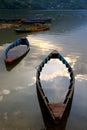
(57, 109)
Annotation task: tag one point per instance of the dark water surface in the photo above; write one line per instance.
(19, 106)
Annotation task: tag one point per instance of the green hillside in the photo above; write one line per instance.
(43, 4)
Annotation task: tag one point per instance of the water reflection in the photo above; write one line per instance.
(3, 93)
(53, 69)
(81, 77)
(5, 117)
(1, 98)
(49, 125)
(41, 44)
(55, 80)
(19, 108)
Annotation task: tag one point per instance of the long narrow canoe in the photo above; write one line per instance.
(9, 19)
(16, 50)
(56, 110)
(37, 20)
(29, 21)
(33, 29)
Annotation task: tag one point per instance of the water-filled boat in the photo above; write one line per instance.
(16, 50)
(56, 110)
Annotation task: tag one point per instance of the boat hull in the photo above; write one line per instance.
(56, 111)
(9, 20)
(36, 20)
(16, 50)
(33, 29)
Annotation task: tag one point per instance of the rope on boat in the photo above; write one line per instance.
(60, 57)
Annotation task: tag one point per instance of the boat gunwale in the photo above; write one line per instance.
(15, 44)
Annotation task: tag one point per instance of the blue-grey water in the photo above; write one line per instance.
(19, 106)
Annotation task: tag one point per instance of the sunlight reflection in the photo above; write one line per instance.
(19, 88)
(72, 61)
(24, 87)
(1, 47)
(5, 91)
(4, 46)
(81, 77)
(31, 84)
(43, 44)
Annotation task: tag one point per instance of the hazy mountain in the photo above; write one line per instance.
(44, 4)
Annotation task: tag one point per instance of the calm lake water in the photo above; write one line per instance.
(19, 106)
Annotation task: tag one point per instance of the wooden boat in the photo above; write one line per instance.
(57, 110)
(16, 50)
(36, 20)
(9, 25)
(29, 21)
(33, 29)
(9, 19)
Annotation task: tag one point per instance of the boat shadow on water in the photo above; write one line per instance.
(49, 124)
(9, 67)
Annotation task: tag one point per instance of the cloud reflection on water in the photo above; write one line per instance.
(1, 48)
(56, 68)
(80, 77)
(42, 44)
(24, 87)
(79, 67)
(54, 80)
(53, 69)
(3, 93)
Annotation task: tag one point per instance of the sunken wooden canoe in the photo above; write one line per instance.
(16, 50)
(55, 110)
